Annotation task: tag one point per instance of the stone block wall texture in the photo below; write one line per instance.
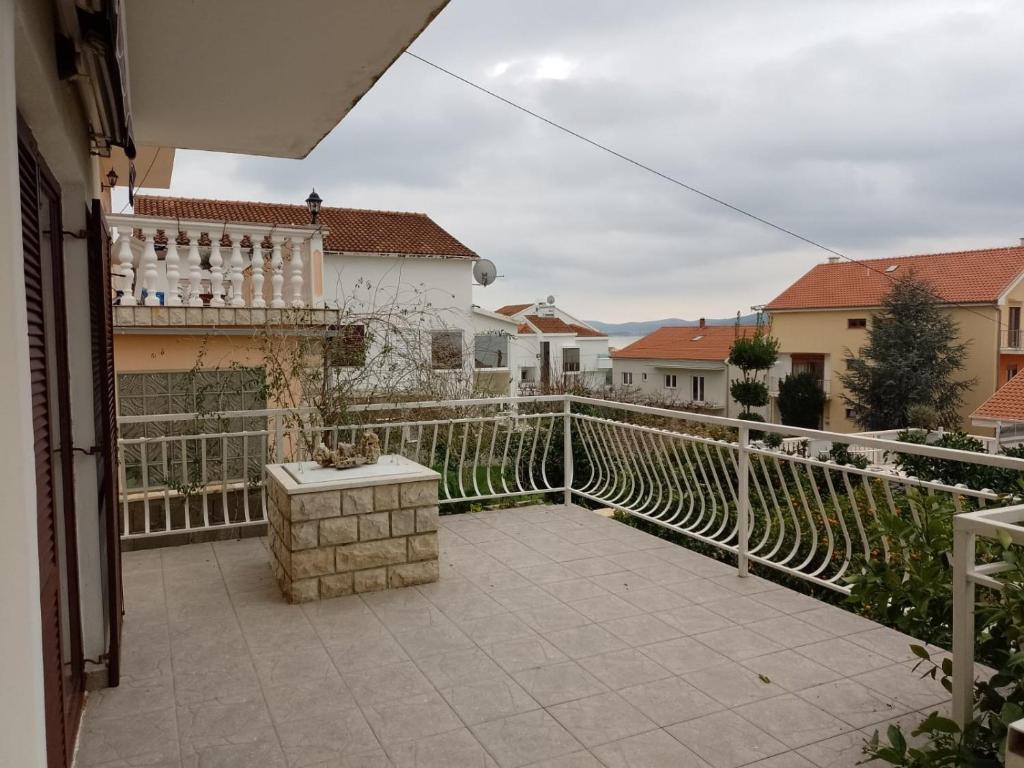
(340, 542)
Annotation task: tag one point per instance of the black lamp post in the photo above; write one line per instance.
(313, 203)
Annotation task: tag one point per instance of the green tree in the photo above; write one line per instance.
(754, 355)
(912, 358)
(801, 400)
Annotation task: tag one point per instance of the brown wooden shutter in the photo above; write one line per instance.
(63, 673)
(101, 307)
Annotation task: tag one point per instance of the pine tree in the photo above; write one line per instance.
(912, 358)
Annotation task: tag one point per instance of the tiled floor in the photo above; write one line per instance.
(555, 637)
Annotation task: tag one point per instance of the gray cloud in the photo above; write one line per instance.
(877, 128)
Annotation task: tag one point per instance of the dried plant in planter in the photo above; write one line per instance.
(348, 455)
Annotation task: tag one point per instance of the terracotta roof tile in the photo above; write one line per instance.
(549, 324)
(960, 277)
(685, 343)
(512, 309)
(349, 229)
(1007, 404)
(582, 330)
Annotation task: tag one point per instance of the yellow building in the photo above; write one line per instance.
(821, 320)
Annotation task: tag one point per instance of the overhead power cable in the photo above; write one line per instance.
(679, 183)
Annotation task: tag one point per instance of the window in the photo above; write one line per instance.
(490, 350)
(1013, 328)
(627, 378)
(670, 380)
(643, 376)
(1011, 371)
(848, 362)
(570, 360)
(857, 322)
(346, 347)
(446, 349)
(849, 413)
(697, 386)
(524, 374)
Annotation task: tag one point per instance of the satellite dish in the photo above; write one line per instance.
(484, 271)
(551, 299)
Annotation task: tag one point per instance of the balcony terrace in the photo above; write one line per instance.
(180, 274)
(555, 636)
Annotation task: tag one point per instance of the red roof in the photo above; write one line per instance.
(685, 343)
(549, 324)
(582, 330)
(512, 309)
(961, 277)
(349, 229)
(1007, 404)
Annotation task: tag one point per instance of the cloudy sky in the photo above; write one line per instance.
(877, 127)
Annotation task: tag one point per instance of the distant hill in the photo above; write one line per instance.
(643, 327)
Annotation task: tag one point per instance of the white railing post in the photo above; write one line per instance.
(149, 273)
(963, 623)
(296, 278)
(124, 261)
(256, 263)
(567, 463)
(172, 261)
(236, 265)
(743, 504)
(277, 276)
(195, 270)
(216, 272)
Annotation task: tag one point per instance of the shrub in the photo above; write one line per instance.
(749, 394)
(801, 400)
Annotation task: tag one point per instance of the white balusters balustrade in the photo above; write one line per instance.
(277, 278)
(124, 262)
(235, 275)
(173, 296)
(195, 270)
(196, 274)
(216, 272)
(149, 271)
(257, 271)
(296, 277)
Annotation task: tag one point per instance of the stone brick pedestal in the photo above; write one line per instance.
(336, 532)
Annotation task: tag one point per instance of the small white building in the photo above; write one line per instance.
(682, 365)
(524, 347)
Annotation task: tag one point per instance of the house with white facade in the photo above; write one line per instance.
(684, 365)
(216, 271)
(543, 346)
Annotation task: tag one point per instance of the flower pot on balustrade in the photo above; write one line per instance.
(334, 532)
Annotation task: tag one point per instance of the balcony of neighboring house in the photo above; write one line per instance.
(172, 276)
(555, 635)
(775, 381)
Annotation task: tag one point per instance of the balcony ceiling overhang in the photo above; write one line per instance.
(260, 77)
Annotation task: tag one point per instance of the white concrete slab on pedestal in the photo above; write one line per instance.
(308, 476)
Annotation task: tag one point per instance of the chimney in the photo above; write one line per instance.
(835, 259)
(1022, 241)
(703, 322)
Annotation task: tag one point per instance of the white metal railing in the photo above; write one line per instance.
(877, 456)
(186, 480)
(1004, 525)
(798, 514)
(1012, 338)
(216, 264)
(801, 515)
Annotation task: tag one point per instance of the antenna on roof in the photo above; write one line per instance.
(484, 271)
